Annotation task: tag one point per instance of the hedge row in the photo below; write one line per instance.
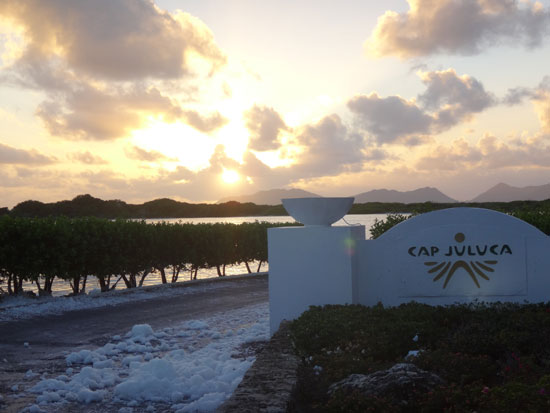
(40, 249)
(539, 218)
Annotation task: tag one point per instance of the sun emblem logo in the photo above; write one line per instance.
(448, 268)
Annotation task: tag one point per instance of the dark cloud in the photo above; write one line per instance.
(264, 125)
(448, 100)
(517, 95)
(458, 27)
(87, 157)
(204, 123)
(10, 155)
(447, 88)
(141, 154)
(377, 155)
(390, 119)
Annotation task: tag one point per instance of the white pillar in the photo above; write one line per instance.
(311, 265)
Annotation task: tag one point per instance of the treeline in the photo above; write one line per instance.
(39, 250)
(422, 207)
(87, 205)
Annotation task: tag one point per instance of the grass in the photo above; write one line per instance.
(492, 357)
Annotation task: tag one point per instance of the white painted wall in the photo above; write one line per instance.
(311, 265)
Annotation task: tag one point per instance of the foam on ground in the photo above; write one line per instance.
(194, 366)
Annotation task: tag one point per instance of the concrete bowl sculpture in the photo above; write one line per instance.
(317, 211)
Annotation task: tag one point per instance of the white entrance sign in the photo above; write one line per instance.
(455, 255)
(439, 258)
(460, 260)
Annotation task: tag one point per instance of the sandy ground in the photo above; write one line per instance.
(50, 338)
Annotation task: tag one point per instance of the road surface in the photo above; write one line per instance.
(51, 337)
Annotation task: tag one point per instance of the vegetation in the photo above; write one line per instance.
(87, 205)
(419, 208)
(493, 358)
(38, 250)
(382, 225)
(539, 218)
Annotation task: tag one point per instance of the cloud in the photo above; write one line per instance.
(458, 27)
(205, 184)
(448, 100)
(87, 157)
(141, 154)
(91, 114)
(517, 95)
(13, 156)
(390, 119)
(204, 123)
(378, 155)
(265, 125)
(323, 148)
(542, 106)
(489, 153)
(456, 156)
(447, 88)
(540, 96)
(326, 148)
(105, 67)
(329, 147)
(121, 40)
(454, 98)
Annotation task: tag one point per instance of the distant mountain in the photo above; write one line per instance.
(506, 193)
(271, 197)
(407, 197)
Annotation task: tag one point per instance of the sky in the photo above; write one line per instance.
(196, 100)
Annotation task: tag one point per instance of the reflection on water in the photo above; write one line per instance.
(61, 287)
(360, 219)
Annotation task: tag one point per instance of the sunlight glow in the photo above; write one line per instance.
(176, 140)
(230, 177)
(12, 42)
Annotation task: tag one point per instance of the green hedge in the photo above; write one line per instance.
(539, 218)
(40, 249)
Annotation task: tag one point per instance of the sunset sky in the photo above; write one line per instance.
(196, 100)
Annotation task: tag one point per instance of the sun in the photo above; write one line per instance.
(230, 177)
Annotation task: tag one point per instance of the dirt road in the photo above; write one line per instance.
(50, 337)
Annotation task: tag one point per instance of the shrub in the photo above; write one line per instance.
(491, 357)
